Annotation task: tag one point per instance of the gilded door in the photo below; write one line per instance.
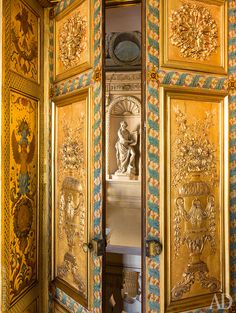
(190, 99)
(21, 156)
(77, 162)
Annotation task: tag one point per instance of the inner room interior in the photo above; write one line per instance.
(123, 158)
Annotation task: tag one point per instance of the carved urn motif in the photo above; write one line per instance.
(195, 209)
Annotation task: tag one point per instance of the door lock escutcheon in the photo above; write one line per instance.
(87, 246)
(97, 246)
(153, 248)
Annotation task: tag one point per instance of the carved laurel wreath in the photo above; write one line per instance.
(194, 31)
(72, 40)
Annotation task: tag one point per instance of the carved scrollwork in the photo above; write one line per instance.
(194, 31)
(70, 265)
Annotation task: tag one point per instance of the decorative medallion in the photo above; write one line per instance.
(72, 40)
(25, 41)
(232, 84)
(23, 218)
(194, 31)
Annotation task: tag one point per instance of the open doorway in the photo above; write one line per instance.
(123, 159)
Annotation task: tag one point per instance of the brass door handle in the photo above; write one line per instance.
(87, 246)
(153, 248)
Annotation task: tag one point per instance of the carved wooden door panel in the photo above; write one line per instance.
(77, 155)
(21, 157)
(190, 99)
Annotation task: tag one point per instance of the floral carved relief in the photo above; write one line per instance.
(71, 208)
(24, 41)
(73, 40)
(194, 221)
(194, 31)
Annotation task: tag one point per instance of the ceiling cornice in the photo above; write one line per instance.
(48, 3)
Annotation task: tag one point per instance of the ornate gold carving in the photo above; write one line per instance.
(194, 31)
(72, 40)
(70, 266)
(194, 188)
(232, 84)
(194, 222)
(153, 75)
(72, 205)
(23, 194)
(71, 194)
(72, 213)
(72, 150)
(98, 75)
(24, 41)
(195, 153)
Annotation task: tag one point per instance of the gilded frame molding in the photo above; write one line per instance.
(82, 94)
(167, 62)
(86, 65)
(190, 94)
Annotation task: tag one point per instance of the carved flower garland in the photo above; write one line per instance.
(194, 31)
(194, 151)
(72, 40)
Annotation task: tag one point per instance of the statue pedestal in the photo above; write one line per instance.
(124, 177)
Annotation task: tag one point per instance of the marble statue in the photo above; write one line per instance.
(125, 153)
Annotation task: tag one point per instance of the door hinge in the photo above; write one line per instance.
(153, 248)
(99, 246)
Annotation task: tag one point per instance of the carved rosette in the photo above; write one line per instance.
(72, 40)
(194, 31)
